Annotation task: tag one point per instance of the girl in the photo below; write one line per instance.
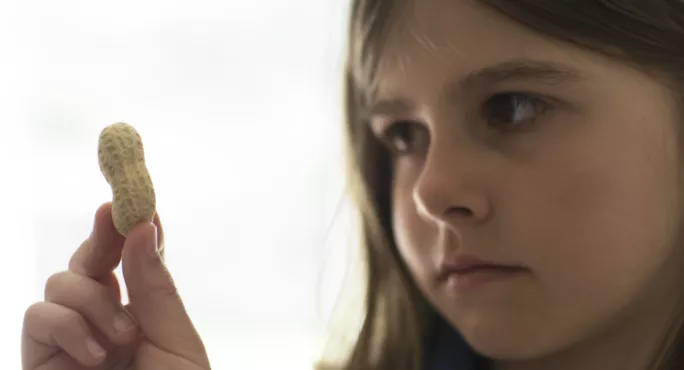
(519, 170)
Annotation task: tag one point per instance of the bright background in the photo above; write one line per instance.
(239, 107)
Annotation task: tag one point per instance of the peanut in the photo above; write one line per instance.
(122, 162)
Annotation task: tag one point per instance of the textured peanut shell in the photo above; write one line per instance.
(122, 162)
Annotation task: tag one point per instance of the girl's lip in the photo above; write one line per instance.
(464, 265)
(470, 279)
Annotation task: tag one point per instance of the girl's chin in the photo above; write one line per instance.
(501, 337)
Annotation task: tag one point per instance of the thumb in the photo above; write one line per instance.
(154, 301)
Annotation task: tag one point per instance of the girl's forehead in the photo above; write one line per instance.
(434, 41)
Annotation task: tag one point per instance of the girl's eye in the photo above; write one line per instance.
(514, 111)
(404, 137)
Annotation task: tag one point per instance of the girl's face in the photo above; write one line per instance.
(523, 151)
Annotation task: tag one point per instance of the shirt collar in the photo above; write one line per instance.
(448, 350)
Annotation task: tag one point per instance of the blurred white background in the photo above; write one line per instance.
(239, 106)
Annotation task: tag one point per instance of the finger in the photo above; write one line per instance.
(92, 300)
(100, 254)
(112, 284)
(154, 301)
(50, 328)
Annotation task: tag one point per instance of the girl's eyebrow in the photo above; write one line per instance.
(550, 73)
(521, 69)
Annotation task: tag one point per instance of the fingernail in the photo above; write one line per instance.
(95, 349)
(93, 232)
(152, 248)
(122, 323)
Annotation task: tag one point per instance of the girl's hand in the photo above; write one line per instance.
(83, 325)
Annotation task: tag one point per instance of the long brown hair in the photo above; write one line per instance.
(647, 34)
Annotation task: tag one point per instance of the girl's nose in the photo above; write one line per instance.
(451, 187)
